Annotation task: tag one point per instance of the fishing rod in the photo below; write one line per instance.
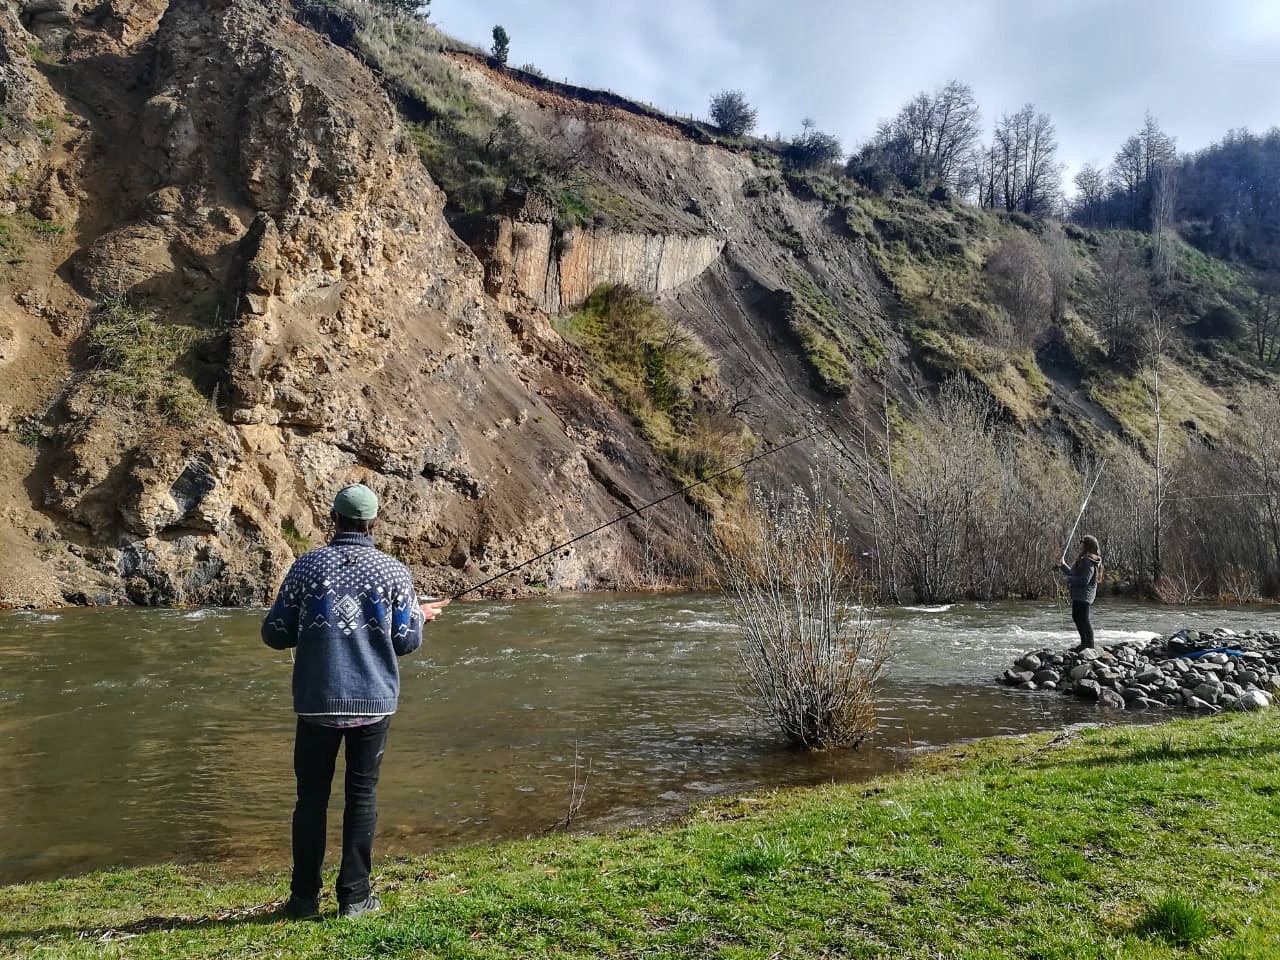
(631, 513)
(1076, 526)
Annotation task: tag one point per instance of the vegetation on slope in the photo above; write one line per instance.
(143, 362)
(1058, 322)
(660, 374)
(1149, 843)
(478, 158)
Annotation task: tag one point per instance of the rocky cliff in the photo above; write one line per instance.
(216, 177)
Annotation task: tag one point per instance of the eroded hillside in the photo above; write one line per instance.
(230, 290)
(232, 285)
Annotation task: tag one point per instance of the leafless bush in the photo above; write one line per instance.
(962, 506)
(1121, 514)
(1121, 300)
(577, 791)
(810, 656)
(1022, 285)
(1060, 265)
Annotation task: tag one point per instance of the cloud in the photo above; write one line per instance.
(1095, 66)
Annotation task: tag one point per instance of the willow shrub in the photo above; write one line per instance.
(810, 657)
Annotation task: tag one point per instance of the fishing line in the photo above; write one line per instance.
(1220, 496)
(631, 513)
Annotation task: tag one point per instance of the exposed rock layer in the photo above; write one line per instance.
(239, 172)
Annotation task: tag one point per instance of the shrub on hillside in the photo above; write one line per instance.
(1219, 323)
(812, 148)
(418, 7)
(732, 114)
(1022, 285)
(140, 360)
(661, 374)
(868, 168)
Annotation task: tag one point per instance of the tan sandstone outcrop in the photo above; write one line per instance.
(558, 270)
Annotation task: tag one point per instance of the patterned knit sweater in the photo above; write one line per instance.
(350, 610)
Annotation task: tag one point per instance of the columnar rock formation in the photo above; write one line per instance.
(557, 270)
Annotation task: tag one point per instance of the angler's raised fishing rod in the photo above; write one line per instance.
(631, 513)
(1076, 526)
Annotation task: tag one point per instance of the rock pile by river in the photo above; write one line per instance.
(1190, 670)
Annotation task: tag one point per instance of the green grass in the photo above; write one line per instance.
(835, 344)
(473, 154)
(47, 129)
(11, 245)
(46, 230)
(1175, 919)
(16, 229)
(39, 54)
(298, 541)
(1102, 847)
(140, 362)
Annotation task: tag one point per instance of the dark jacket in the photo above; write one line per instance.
(351, 610)
(1082, 577)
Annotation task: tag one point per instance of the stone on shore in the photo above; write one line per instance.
(1192, 669)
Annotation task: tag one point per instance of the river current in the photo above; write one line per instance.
(133, 736)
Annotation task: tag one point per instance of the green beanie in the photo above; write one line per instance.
(356, 502)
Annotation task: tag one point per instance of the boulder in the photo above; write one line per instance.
(1088, 688)
(1253, 700)
(1110, 700)
(1209, 692)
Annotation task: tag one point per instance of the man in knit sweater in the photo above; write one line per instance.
(350, 610)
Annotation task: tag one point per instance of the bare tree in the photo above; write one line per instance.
(1060, 265)
(1133, 171)
(1258, 430)
(1157, 338)
(1264, 318)
(1091, 194)
(931, 140)
(965, 507)
(1022, 285)
(1122, 299)
(1020, 169)
(1164, 193)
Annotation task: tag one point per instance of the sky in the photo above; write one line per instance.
(1096, 67)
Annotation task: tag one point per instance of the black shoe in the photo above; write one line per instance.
(349, 911)
(302, 908)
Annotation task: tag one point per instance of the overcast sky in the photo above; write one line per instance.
(1095, 66)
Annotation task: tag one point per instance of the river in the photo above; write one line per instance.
(138, 736)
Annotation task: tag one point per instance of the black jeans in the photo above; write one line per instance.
(1080, 614)
(315, 749)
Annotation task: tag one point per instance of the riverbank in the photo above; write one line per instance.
(1105, 842)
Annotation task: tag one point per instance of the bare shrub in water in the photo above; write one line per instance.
(810, 657)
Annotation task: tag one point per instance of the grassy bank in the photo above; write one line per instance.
(1126, 842)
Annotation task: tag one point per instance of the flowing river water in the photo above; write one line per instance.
(134, 736)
